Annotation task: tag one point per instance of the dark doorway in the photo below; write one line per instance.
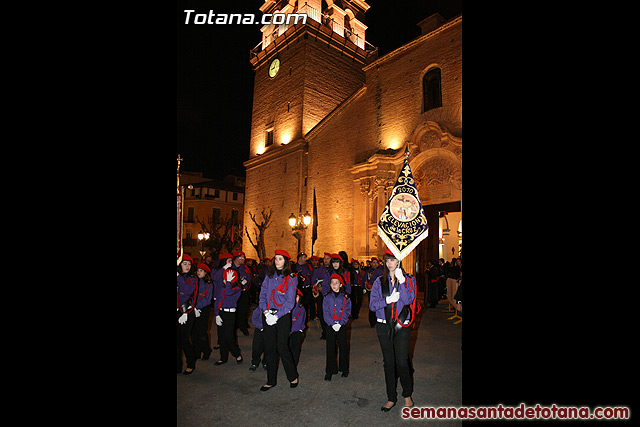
(428, 248)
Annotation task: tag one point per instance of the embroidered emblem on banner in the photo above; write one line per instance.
(403, 224)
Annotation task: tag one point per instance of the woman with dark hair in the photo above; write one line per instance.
(187, 289)
(199, 336)
(277, 298)
(337, 266)
(336, 308)
(390, 298)
(227, 288)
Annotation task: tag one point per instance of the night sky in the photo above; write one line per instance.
(215, 78)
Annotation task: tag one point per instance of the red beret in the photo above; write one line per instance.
(314, 257)
(337, 276)
(225, 255)
(336, 256)
(388, 252)
(298, 292)
(186, 257)
(205, 267)
(238, 253)
(374, 259)
(283, 253)
(327, 254)
(301, 253)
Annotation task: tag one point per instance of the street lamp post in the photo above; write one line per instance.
(202, 236)
(299, 224)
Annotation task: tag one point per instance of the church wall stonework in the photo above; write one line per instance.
(352, 124)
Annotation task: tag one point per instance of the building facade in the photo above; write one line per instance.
(210, 201)
(336, 118)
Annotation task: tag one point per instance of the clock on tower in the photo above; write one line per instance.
(303, 71)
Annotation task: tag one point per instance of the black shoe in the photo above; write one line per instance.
(253, 368)
(383, 409)
(205, 356)
(217, 346)
(327, 377)
(265, 388)
(345, 374)
(294, 385)
(189, 373)
(244, 332)
(322, 337)
(219, 362)
(239, 361)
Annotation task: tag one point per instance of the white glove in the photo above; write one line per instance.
(394, 297)
(230, 276)
(271, 319)
(182, 319)
(336, 327)
(400, 276)
(227, 265)
(218, 320)
(244, 281)
(197, 311)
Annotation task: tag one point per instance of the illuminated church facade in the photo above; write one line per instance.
(330, 115)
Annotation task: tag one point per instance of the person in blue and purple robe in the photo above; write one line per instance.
(298, 320)
(336, 309)
(187, 288)
(227, 291)
(277, 299)
(390, 299)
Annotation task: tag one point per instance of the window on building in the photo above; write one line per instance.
(269, 138)
(190, 215)
(216, 193)
(431, 90)
(235, 196)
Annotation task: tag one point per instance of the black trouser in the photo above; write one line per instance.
(433, 293)
(395, 355)
(276, 340)
(341, 338)
(242, 312)
(307, 300)
(199, 336)
(254, 294)
(228, 341)
(184, 342)
(257, 347)
(372, 315)
(320, 299)
(313, 312)
(356, 295)
(295, 339)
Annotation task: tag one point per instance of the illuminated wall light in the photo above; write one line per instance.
(260, 150)
(286, 138)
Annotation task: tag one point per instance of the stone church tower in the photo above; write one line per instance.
(329, 115)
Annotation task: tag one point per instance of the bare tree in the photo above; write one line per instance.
(220, 234)
(259, 233)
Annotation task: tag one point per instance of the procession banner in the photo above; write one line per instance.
(179, 223)
(403, 224)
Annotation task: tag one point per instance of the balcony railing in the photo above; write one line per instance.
(323, 19)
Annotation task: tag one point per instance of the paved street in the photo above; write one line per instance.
(229, 395)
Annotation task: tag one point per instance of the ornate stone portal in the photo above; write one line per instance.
(436, 163)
